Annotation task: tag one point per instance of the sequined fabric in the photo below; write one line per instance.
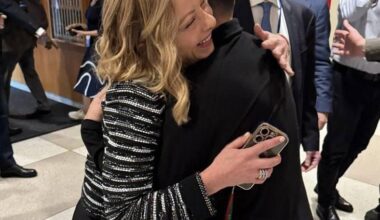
(132, 123)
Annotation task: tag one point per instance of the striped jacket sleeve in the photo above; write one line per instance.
(132, 125)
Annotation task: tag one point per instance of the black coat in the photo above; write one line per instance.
(21, 26)
(233, 91)
(301, 27)
(20, 17)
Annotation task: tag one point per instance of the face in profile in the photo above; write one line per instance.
(196, 22)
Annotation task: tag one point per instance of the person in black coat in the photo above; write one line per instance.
(300, 28)
(233, 91)
(8, 166)
(18, 44)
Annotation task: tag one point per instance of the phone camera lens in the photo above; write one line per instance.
(259, 138)
(264, 131)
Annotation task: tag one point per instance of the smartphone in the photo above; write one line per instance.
(78, 28)
(264, 132)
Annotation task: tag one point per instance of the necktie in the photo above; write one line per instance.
(265, 22)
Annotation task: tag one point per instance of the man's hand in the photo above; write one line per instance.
(47, 42)
(279, 46)
(322, 119)
(348, 42)
(311, 161)
(2, 20)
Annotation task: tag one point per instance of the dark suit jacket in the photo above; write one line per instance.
(233, 91)
(323, 68)
(20, 17)
(20, 27)
(301, 26)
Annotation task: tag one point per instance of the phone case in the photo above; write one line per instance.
(264, 132)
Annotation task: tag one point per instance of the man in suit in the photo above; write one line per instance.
(239, 86)
(323, 70)
(8, 166)
(297, 23)
(18, 45)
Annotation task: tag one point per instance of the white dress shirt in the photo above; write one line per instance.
(365, 17)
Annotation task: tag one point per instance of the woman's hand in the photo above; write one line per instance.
(234, 166)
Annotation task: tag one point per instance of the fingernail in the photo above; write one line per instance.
(246, 134)
(282, 139)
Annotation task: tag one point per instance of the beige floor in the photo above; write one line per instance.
(59, 158)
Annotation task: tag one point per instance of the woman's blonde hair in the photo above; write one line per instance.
(138, 44)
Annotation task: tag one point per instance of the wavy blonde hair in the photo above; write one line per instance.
(138, 44)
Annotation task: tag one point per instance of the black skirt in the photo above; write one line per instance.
(88, 82)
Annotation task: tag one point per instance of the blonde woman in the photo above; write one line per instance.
(142, 50)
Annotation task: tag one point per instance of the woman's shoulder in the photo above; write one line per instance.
(130, 87)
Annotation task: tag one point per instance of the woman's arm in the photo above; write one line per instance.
(132, 125)
(128, 177)
(79, 33)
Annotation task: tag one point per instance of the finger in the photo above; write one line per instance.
(339, 52)
(337, 45)
(280, 55)
(307, 161)
(285, 65)
(311, 167)
(348, 26)
(341, 40)
(256, 179)
(259, 32)
(238, 142)
(303, 168)
(321, 124)
(270, 171)
(269, 44)
(265, 145)
(288, 69)
(268, 163)
(340, 33)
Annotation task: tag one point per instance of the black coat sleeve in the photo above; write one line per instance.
(14, 12)
(92, 136)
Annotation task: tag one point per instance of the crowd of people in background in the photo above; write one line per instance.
(172, 89)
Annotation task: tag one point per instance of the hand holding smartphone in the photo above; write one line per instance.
(264, 132)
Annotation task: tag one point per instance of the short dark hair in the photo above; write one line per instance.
(226, 6)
